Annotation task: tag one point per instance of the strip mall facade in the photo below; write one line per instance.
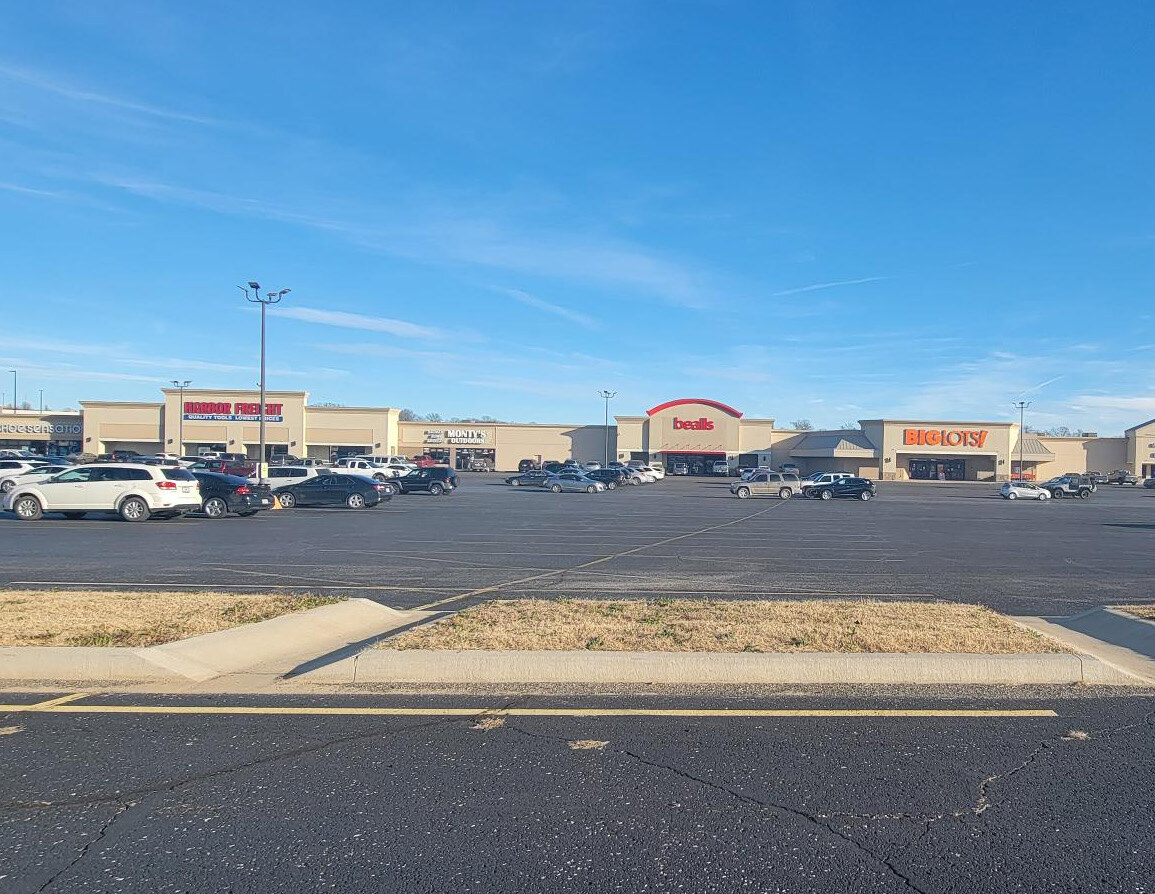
(694, 431)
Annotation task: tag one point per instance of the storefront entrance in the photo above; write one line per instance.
(938, 469)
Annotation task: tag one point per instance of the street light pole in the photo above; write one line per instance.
(15, 400)
(180, 386)
(607, 395)
(255, 298)
(1022, 407)
(41, 401)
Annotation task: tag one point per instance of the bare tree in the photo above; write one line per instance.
(849, 426)
(408, 415)
(802, 425)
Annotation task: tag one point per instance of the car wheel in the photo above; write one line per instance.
(134, 509)
(1044, 496)
(6, 485)
(825, 495)
(1057, 494)
(287, 500)
(215, 507)
(610, 485)
(743, 493)
(378, 477)
(591, 490)
(556, 488)
(1083, 494)
(1012, 496)
(784, 493)
(27, 508)
(515, 483)
(865, 496)
(355, 501)
(74, 515)
(436, 489)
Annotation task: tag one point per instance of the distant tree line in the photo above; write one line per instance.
(408, 415)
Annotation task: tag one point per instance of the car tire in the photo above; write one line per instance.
(436, 489)
(6, 485)
(134, 509)
(1044, 496)
(515, 483)
(378, 477)
(287, 500)
(866, 496)
(27, 508)
(1012, 496)
(1057, 494)
(556, 488)
(215, 507)
(355, 501)
(610, 485)
(743, 493)
(784, 493)
(825, 495)
(74, 516)
(591, 490)
(1084, 494)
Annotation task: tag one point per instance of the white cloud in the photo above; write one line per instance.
(818, 286)
(345, 320)
(556, 309)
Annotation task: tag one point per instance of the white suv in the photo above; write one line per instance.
(282, 476)
(132, 490)
(819, 478)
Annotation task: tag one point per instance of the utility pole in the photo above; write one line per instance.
(607, 396)
(1021, 406)
(180, 386)
(255, 298)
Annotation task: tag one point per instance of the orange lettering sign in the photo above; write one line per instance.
(933, 437)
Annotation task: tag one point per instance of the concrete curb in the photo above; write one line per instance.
(1116, 639)
(279, 643)
(390, 666)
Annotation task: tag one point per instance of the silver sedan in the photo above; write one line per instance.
(574, 482)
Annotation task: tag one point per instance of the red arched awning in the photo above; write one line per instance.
(694, 400)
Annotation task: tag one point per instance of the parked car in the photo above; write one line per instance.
(10, 466)
(1023, 490)
(365, 467)
(591, 466)
(9, 480)
(386, 460)
(780, 484)
(792, 468)
(611, 478)
(528, 465)
(334, 489)
(573, 482)
(721, 467)
(222, 494)
(479, 464)
(553, 466)
(1121, 476)
(820, 478)
(225, 467)
(1072, 485)
(654, 469)
(1087, 480)
(132, 490)
(632, 477)
(1097, 478)
(855, 488)
(531, 478)
(437, 480)
(680, 469)
(125, 456)
(284, 459)
(280, 476)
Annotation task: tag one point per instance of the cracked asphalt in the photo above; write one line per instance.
(166, 802)
(681, 537)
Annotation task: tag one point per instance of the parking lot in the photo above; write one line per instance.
(677, 538)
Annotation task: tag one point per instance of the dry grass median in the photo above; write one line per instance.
(690, 625)
(1146, 612)
(89, 618)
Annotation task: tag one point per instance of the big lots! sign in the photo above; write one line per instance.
(702, 424)
(934, 437)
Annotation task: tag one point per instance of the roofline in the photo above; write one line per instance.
(931, 423)
(681, 401)
(1139, 426)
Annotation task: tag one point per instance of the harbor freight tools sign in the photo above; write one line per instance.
(39, 428)
(946, 437)
(224, 411)
(455, 436)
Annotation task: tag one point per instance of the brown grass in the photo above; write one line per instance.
(690, 625)
(1146, 612)
(90, 618)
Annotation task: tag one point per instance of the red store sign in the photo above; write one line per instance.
(933, 437)
(702, 424)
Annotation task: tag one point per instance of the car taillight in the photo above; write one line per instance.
(166, 485)
(381, 487)
(243, 489)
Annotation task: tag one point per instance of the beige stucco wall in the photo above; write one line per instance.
(755, 435)
(110, 425)
(988, 462)
(374, 428)
(511, 442)
(1082, 455)
(1140, 447)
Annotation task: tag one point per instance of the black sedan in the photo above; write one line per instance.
(528, 479)
(853, 488)
(222, 494)
(353, 491)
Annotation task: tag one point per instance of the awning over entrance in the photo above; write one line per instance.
(1032, 448)
(849, 444)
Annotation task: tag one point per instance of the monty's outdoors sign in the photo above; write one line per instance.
(226, 411)
(455, 436)
(946, 437)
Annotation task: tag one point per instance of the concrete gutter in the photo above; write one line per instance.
(414, 666)
(1115, 638)
(278, 645)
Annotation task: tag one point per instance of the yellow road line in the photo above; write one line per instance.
(58, 701)
(57, 706)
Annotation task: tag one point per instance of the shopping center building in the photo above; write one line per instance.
(695, 432)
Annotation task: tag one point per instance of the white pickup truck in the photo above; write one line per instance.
(365, 467)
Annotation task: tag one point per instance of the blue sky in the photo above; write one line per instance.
(826, 210)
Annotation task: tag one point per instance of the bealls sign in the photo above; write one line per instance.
(702, 424)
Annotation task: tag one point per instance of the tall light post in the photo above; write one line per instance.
(41, 401)
(180, 386)
(1021, 406)
(255, 298)
(15, 400)
(607, 396)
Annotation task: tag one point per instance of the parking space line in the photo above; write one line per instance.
(495, 587)
(52, 702)
(221, 586)
(403, 711)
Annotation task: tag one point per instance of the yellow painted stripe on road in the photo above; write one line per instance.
(39, 706)
(58, 707)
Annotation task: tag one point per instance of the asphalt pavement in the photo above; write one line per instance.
(156, 798)
(680, 537)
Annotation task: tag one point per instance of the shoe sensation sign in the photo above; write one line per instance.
(227, 411)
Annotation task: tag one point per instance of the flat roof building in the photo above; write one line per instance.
(696, 432)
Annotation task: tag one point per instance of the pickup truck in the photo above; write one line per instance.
(366, 468)
(1068, 486)
(1121, 476)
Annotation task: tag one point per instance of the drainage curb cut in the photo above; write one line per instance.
(291, 637)
(391, 666)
